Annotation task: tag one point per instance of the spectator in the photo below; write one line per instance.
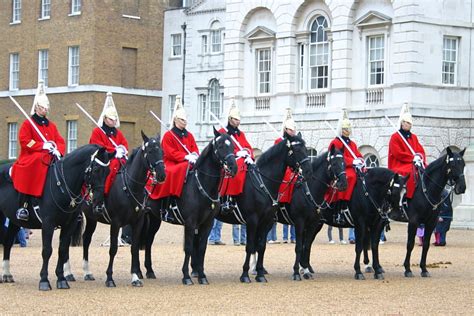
(239, 234)
(352, 239)
(215, 235)
(420, 233)
(341, 236)
(292, 234)
(444, 220)
(21, 237)
(272, 235)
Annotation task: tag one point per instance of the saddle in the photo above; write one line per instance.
(170, 212)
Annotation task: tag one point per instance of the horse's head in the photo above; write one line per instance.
(223, 151)
(337, 168)
(396, 191)
(455, 170)
(153, 155)
(95, 175)
(297, 158)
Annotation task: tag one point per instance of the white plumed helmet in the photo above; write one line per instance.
(234, 111)
(288, 121)
(405, 115)
(109, 111)
(344, 122)
(179, 111)
(41, 98)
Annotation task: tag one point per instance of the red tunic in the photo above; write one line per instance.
(285, 192)
(175, 164)
(400, 158)
(350, 172)
(30, 170)
(235, 185)
(98, 137)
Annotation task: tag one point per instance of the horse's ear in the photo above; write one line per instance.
(449, 151)
(216, 133)
(299, 135)
(158, 136)
(462, 152)
(144, 137)
(331, 149)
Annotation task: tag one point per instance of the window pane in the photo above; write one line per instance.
(449, 63)
(71, 135)
(264, 70)
(12, 140)
(74, 65)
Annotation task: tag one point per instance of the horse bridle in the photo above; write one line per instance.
(151, 165)
(297, 167)
(336, 177)
(222, 161)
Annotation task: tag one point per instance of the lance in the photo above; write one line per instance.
(273, 128)
(31, 121)
(225, 129)
(163, 124)
(342, 140)
(97, 124)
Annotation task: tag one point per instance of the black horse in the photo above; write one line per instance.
(196, 207)
(57, 207)
(125, 205)
(423, 208)
(258, 203)
(377, 191)
(308, 198)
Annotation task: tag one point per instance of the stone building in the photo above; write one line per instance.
(82, 49)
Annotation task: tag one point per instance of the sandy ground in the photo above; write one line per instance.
(332, 291)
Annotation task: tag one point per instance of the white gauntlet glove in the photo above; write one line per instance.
(242, 154)
(192, 157)
(49, 146)
(248, 160)
(56, 153)
(418, 160)
(120, 151)
(358, 163)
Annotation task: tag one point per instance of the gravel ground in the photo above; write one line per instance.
(332, 291)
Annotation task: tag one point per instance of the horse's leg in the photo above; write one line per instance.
(375, 239)
(91, 224)
(114, 232)
(63, 257)
(261, 239)
(360, 232)
(12, 230)
(429, 227)
(412, 226)
(249, 249)
(188, 250)
(368, 266)
(201, 250)
(299, 227)
(154, 226)
(134, 250)
(47, 232)
(312, 231)
(195, 255)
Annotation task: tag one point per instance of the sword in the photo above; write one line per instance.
(273, 128)
(31, 121)
(163, 124)
(225, 129)
(343, 142)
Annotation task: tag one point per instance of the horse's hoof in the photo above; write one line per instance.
(382, 270)
(425, 274)
(379, 276)
(70, 278)
(310, 268)
(359, 276)
(369, 270)
(296, 277)
(137, 283)
(261, 279)
(110, 283)
(150, 275)
(187, 281)
(8, 278)
(140, 275)
(89, 277)
(194, 274)
(62, 285)
(203, 281)
(308, 276)
(245, 279)
(45, 286)
(409, 274)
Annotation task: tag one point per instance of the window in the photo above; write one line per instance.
(129, 67)
(215, 98)
(75, 6)
(301, 66)
(449, 70)
(71, 135)
(14, 71)
(312, 154)
(172, 101)
(45, 9)
(319, 54)
(12, 140)
(216, 38)
(131, 8)
(16, 11)
(204, 44)
(43, 66)
(73, 75)
(203, 106)
(376, 60)
(264, 63)
(371, 161)
(175, 45)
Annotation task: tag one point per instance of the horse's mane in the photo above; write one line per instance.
(438, 163)
(378, 175)
(276, 149)
(132, 156)
(205, 152)
(319, 160)
(76, 155)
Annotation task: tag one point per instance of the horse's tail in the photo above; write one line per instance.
(78, 227)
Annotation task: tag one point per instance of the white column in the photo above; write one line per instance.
(463, 216)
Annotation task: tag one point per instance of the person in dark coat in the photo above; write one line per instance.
(444, 219)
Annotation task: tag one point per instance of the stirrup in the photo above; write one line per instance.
(22, 214)
(228, 207)
(340, 219)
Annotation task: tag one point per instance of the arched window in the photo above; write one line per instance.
(216, 37)
(215, 98)
(371, 161)
(319, 54)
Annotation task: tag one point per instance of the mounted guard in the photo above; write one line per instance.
(110, 137)
(244, 157)
(41, 145)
